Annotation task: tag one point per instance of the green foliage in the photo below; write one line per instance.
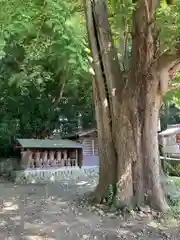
(172, 97)
(169, 21)
(169, 114)
(110, 194)
(173, 199)
(120, 15)
(173, 168)
(44, 70)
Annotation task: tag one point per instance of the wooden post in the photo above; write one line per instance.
(58, 158)
(37, 159)
(32, 160)
(51, 158)
(23, 157)
(30, 154)
(76, 161)
(80, 158)
(65, 157)
(68, 162)
(44, 158)
(41, 159)
(93, 146)
(48, 160)
(164, 164)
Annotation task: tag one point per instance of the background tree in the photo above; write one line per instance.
(169, 114)
(128, 96)
(45, 81)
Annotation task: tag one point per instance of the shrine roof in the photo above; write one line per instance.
(170, 132)
(48, 143)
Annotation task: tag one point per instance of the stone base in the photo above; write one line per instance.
(56, 174)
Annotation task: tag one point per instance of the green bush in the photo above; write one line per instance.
(173, 168)
(173, 196)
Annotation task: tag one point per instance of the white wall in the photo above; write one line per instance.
(170, 146)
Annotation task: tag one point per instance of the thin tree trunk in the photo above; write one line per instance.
(106, 146)
(106, 153)
(152, 176)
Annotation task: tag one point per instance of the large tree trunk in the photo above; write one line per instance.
(127, 109)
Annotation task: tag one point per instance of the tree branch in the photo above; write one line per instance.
(173, 86)
(169, 61)
(174, 70)
(169, 64)
(60, 96)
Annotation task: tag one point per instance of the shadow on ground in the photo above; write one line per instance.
(36, 212)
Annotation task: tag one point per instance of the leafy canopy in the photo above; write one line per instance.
(44, 68)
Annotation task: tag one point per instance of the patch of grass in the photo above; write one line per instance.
(173, 190)
(174, 181)
(173, 168)
(175, 212)
(177, 182)
(174, 203)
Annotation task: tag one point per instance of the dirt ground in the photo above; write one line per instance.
(37, 212)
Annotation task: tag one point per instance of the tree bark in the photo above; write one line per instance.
(127, 109)
(107, 152)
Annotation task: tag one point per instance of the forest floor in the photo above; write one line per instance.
(54, 212)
